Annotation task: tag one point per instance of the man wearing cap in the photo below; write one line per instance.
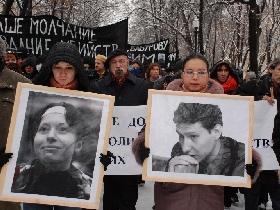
(8, 83)
(100, 70)
(121, 191)
(22, 54)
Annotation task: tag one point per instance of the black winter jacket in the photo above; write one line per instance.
(133, 92)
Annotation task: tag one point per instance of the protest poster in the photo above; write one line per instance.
(127, 122)
(39, 33)
(198, 138)
(263, 127)
(56, 137)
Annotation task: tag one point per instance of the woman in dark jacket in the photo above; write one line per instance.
(224, 73)
(28, 67)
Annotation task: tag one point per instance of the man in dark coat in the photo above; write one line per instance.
(121, 191)
(267, 88)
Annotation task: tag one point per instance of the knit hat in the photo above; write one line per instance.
(2, 48)
(101, 57)
(113, 54)
(67, 52)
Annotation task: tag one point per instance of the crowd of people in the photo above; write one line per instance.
(129, 81)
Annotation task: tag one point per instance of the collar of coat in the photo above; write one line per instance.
(213, 86)
(108, 79)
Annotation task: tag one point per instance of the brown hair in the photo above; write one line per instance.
(150, 67)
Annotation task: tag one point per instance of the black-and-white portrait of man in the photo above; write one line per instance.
(201, 146)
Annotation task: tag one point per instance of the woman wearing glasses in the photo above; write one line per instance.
(169, 196)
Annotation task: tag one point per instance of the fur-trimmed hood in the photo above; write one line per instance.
(213, 86)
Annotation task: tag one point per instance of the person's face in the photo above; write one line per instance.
(247, 78)
(29, 69)
(55, 142)
(10, 59)
(196, 141)
(63, 73)
(21, 60)
(86, 66)
(222, 73)
(99, 65)
(136, 66)
(154, 73)
(119, 66)
(195, 75)
(275, 74)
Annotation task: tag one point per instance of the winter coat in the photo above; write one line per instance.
(170, 196)
(29, 61)
(133, 92)
(8, 83)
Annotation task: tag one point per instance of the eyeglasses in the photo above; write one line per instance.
(114, 62)
(200, 73)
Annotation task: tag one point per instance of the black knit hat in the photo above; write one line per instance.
(66, 52)
(113, 54)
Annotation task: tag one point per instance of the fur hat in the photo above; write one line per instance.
(101, 57)
(113, 54)
(2, 48)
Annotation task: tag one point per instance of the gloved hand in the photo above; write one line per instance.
(106, 159)
(4, 157)
(143, 152)
(251, 168)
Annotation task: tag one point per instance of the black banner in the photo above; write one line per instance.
(40, 33)
(172, 57)
(150, 53)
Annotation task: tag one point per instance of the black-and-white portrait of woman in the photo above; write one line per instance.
(57, 137)
(58, 146)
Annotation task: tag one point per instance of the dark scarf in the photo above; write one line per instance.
(72, 85)
(121, 81)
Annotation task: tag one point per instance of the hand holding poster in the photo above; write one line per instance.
(198, 138)
(263, 127)
(56, 136)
